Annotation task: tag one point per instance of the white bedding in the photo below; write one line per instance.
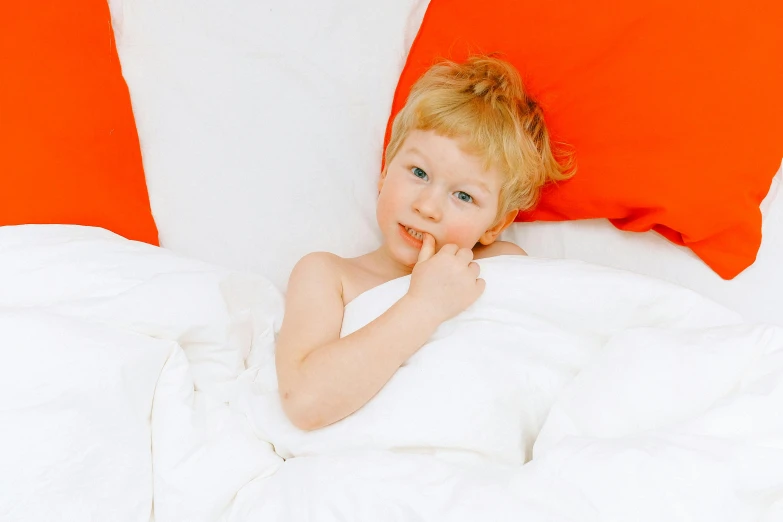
(486, 380)
(116, 358)
(125, 383)
(75, 400)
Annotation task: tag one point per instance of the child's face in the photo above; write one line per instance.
(433, 186)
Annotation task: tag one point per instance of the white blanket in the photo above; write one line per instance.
(134, 379)
(637, 400)
(116, 361)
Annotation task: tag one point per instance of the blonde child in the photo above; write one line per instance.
(467, 151)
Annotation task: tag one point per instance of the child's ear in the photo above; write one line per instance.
(492, 234)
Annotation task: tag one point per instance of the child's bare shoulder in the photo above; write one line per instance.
(324, 267)
(320, 260)
(324, 272)
(498, 248)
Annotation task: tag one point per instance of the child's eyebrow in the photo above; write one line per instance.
(479, 184)
(414, 150)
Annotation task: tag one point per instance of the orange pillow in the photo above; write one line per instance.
(674, 109)
(69, 152)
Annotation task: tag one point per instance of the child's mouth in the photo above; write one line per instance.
(413, 237)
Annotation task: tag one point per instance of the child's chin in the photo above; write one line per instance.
(407, 261)
(407, 258)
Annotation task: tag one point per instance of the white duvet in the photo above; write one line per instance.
(133, 378)
(116, 358)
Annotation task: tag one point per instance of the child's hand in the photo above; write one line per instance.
(448, 282)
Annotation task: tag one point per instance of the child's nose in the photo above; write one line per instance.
(428, 205)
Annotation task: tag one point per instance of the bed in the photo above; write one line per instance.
(137, 381)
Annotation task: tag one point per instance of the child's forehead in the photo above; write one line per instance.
(430, 142)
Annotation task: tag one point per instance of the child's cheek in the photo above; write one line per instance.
(463, 235)
(383, 209)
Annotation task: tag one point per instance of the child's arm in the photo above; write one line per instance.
(323, 378)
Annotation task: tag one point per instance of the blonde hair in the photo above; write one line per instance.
(483, 102)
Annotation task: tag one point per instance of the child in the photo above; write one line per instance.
(467, 151)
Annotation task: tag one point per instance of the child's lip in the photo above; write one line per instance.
(406, 227)
(412, 240)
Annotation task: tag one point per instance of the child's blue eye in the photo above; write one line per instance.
(419, 173)
(464, 196)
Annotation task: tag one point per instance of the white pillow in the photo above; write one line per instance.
(756, 293)
(261, 123)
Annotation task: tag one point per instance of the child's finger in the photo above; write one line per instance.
(474, 268)
(427, 248)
